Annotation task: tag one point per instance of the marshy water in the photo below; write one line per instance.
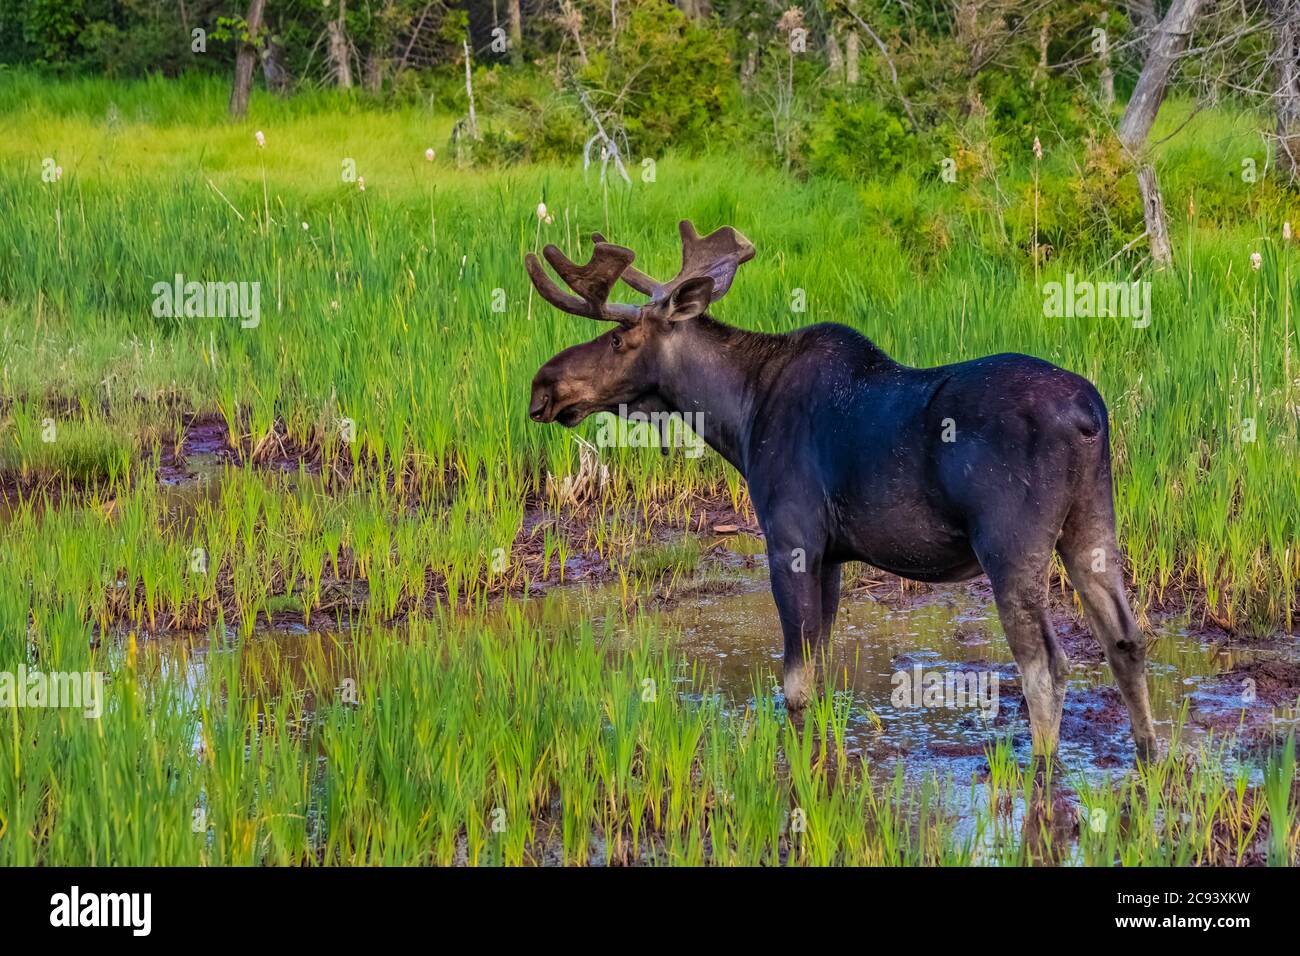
(716, 617)
(722, 623)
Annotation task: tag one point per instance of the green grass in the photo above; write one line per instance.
(380, 315)
(459, 741)
(381, 312)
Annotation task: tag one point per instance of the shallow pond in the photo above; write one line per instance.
(887, 653)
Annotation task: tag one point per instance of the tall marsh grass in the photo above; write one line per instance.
(398, 335)
(380, 311)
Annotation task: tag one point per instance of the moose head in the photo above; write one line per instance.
(621, 370)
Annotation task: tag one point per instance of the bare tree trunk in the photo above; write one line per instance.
(834, 58)
(1153, 210)
(1167, 45)
(1143, 15)
(1107, 74)
(851, 58)
(1286, 26)
(749, 68)
(516, 29)
(273, 68)
(339, 54)
(1040, 70)
(469, 91)
(374, 79)
(246, 59)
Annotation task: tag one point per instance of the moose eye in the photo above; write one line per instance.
(616, 341)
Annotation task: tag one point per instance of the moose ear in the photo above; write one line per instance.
(690, 299)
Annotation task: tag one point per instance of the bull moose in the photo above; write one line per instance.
(933, 474)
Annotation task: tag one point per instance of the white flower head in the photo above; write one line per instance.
(361, 183)
(541, 211)
(1256, 260)
(1038, 149)
(429, 154)
(1286, 230)
(305, 227)
(260, 138)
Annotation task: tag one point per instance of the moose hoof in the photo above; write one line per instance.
(798, 688)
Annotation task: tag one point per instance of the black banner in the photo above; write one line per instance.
(336, 906)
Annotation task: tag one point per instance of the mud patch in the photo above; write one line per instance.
(1256, 700)
(205, 438)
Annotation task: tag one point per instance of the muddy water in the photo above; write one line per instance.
(887, 655)
(723, 623)
(727, 624)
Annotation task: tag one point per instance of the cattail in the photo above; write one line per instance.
(428, 154)
(792, 19)
(1256, 260)
(261, 139)
(1038, 149)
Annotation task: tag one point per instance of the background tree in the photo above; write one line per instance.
(246, 58)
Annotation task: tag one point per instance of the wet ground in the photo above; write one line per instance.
(929, 674)
(933, 681)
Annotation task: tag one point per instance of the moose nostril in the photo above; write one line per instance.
(538, 406)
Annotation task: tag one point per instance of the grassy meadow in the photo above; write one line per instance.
(377, 419)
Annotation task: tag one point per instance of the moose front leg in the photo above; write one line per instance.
(797, 587)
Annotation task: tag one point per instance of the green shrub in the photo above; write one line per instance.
(671, 79)
(861, 139)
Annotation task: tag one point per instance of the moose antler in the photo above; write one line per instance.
(592, 282)
(718, 255)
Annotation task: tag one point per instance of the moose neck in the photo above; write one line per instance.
(713, 375)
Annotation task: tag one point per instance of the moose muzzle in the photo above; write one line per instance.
(540, 405)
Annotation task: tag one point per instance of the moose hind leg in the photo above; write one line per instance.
(1017, 570)
(1091, 556)
(1044, 668)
